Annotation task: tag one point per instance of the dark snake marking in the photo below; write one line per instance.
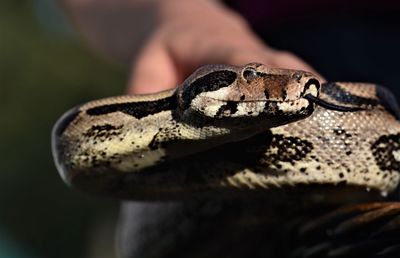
(260, 149)
(284, 94)
(137, 109)
(266, 94)
(210, 82)
(289, 149)
(383, 150)
(103, 131)
(385, 98)
(231, 107)
(339, 94)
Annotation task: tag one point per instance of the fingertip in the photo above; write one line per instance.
(143, 84)
(288, 60)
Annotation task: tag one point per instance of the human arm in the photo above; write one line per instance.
(165, 40)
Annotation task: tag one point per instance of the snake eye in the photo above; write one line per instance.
(297, 76)
(250, 74)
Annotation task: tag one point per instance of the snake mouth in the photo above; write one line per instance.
(253, 100)
(311, 93)
(331, 106)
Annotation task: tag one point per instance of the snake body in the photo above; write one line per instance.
(231, 129)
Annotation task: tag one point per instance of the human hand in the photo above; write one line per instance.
(192, 33)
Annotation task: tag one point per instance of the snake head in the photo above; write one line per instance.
(259, 82)
(248, 92)
(282, 91)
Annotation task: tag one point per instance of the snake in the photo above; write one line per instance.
(230, 129)
(253, 132)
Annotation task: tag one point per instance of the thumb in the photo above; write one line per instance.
(153, 70)
(290, 61)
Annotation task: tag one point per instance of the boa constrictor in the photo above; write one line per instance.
(231, 130)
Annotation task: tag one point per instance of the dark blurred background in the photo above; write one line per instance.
(45, 70)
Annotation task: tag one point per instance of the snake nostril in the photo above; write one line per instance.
(312, 82)
(312, 86)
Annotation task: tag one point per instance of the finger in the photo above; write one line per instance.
(153, 71)
(288, 60)
(269, 57)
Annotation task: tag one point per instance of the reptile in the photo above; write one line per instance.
(230, 131)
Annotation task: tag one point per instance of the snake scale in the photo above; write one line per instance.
(231, 129)
(273, 137)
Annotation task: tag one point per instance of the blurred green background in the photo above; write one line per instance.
(45, 70)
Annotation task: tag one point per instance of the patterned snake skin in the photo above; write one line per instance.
(301, 148)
